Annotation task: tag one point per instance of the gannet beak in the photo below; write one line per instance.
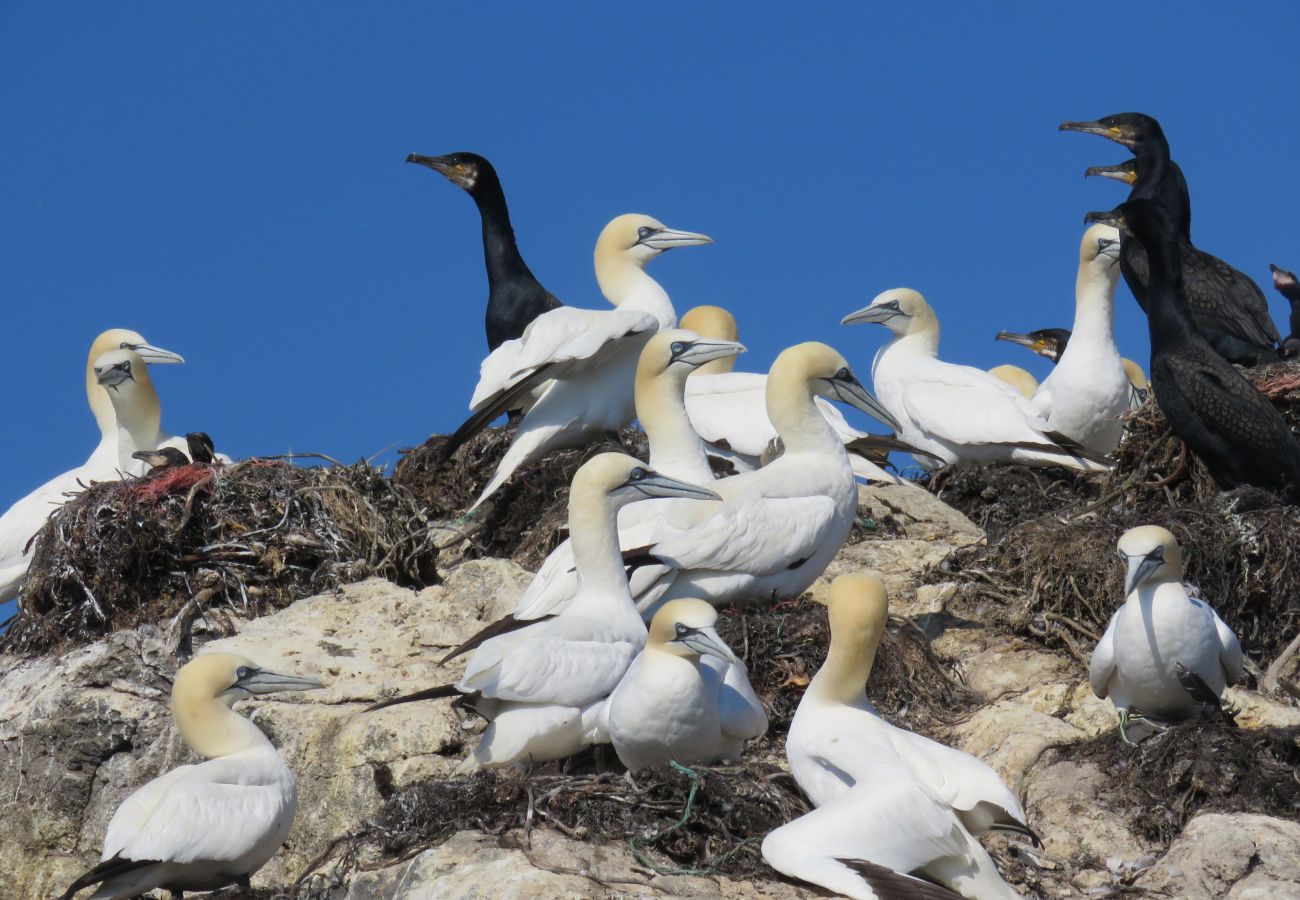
(847, 389)
(264, 682)
(1112, 217)
(697, 353)
(652, 484)
(669, 238)
(114, 375)
(1139, 568)
(875, 314)
(706, 642)
(1110, 133)
(1024, 340)
(1108, 247)
(156, 356)
(1117, 173)
(457, 174)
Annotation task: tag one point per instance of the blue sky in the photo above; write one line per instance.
(230, 182)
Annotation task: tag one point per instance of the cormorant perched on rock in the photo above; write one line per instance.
(1226, 305)
(515, 296)
(1234, 430)
(1289, 287)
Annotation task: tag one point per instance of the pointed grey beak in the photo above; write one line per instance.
(1139, 569)
(652, 484)
(706, 642)
(1108, 248)
(1023, 340)
(156, 356)
(670, 238)
(1122, 172)
(264, 682)
(849, 390)
(874, 314)
(114, 375)
(697, 353)
(1109, 133)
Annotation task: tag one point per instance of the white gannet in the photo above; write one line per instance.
(958, 413)
(1088, 391)
(135, 402)
(26, 516)
(1139, 387)
(1164, 649)
(883, 794)
(1051, 343)
(779, 526)
(1024, 383)
(671, 705)
(202, 827)
(728, 410)
(542, 686)
(589, 356)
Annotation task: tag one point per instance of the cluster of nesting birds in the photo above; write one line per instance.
(614, 640)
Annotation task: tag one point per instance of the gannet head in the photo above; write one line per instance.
(201, 447)
(1130, 129)
(1018, 378)
(465, 170)
(625, 479)
(1049, 342)
(1150, 554)
(859, 610)
(827, 374)
(637, 238)
(1136, 376)
(1127, 172)
(714, 323)
(122, 373)
(1100, 245)
(125, 339)
(901, 310)
(681, 352)
(213, 680)
(686, 628)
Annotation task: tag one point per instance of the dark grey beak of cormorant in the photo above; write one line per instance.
(1111, 133)
(1024, 340)
(458, 174)
(1281, 277)
(1122, 172)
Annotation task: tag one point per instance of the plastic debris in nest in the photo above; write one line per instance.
(528, 516)
(196, 540)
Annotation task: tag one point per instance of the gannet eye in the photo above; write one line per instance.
(636, 474)
(645, 231)
(680, 629)
(242, 672)
(844, 374)
(677, 348)
(127, 345)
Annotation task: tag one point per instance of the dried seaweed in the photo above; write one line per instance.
(248, 538)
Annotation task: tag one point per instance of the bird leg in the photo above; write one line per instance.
(1123, 728)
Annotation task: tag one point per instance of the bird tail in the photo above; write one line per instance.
(880, 445)
(493, 407)
(891, 885)
(433, 693)
(1019, 828)
(109, 868)
(501, 626)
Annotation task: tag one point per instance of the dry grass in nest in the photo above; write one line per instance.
(1196, 767)
(1051, 571)
(249, 538)
(529, 515)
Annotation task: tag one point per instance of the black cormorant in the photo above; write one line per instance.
(1234, 429)
(1048, 342)
(515, 296)
(200, 447)
(162, 459)
(1225, 304)
(1289, 287)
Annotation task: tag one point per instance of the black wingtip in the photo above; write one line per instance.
(501, 626)
(109, 868)
(891, 885)
(433, 693)
(1020, 829)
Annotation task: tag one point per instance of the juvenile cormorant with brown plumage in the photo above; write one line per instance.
(1225, 304)
(1235, 431)
(515, 296)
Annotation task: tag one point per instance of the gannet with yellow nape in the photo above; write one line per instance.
(26, 516)
(1024, 383)
(884, 796)
(588, 355)
(202, 827)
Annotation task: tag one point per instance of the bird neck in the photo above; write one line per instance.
(675, 448)
(101, 405)
(1167, 315)
(793, 412)
(1160, 178)
(593, 532)
(212, 728)
(500, 252)
(843, 677)
(1094, 303)
(625, 284)
(139, 420)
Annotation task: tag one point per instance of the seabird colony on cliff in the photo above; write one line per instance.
(614, 640)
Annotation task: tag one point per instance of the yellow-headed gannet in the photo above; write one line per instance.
(542, 686)
(1165, 654)
(1139, 387)
(673, 705)
(1088, 391)
(589, 356)
(135, 402)
(1051, 343)
(958, 413)
(883, 795)
(728, 411)
(202, 827)
(1024, 383)
(26, 516)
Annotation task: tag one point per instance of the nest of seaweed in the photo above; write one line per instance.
(1049, 569)
(193, 540)
(1196, 767)
(529, 515)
